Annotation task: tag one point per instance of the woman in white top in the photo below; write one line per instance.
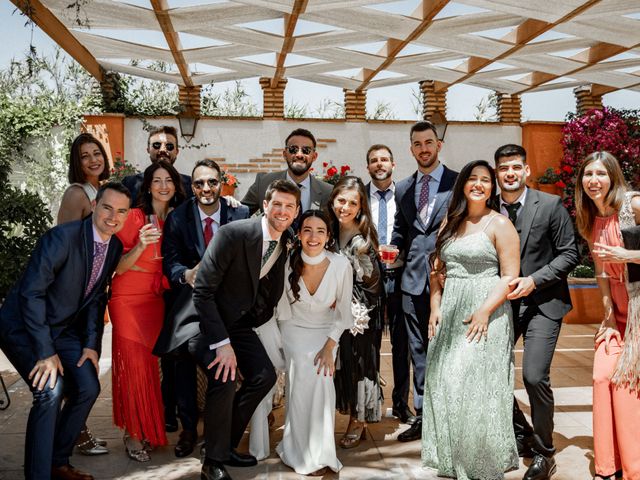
(313, 312)
(87, 169)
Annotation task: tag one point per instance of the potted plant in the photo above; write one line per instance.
(550, 181)
(229, 183)
(585, 296)
(332, 174)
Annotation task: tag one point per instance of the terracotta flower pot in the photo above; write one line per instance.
(548, 188)
(227, 190)
(586, 300)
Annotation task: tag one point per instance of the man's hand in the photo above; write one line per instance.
(232, 201)
(45, 369)
(522, 287)
(226, 361)
(92, 356)
(190, 275)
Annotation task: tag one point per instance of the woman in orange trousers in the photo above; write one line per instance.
(137, 312)
(604, 206)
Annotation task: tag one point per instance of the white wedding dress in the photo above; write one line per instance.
(308, 442)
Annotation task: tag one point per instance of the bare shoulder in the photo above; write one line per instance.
(635, 203)
(501, 227)
(75, 193)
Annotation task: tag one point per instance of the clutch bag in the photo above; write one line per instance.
(631, 240)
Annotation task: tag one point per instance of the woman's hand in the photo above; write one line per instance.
(434, 320)
(608, 330)
(607, 253)
(324, 359)
(148, 235)
(479, 326)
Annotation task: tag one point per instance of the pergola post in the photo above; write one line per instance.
(509, 107)
(189, 98)
(433, 101)
(355, 105)
(586, 100)
(273, 98)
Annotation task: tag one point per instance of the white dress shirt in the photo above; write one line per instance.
(434, 185)
(520, 199)
(215, 217)
(305, 191)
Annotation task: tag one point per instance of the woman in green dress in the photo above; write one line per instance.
(467, 428)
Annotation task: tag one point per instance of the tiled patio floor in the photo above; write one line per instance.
(380, 457)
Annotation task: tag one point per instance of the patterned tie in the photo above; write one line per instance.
(208, 231)
(382, 216)
(512, 210)
(423, 202)
(99, 253)
(270, 249)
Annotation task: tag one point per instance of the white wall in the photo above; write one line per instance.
(240, 140)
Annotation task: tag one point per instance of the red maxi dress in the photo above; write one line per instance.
(137, 311)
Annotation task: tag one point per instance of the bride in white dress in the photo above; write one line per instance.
(313, 312)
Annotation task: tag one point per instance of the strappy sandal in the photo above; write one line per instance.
(137, 454)
(354, 435)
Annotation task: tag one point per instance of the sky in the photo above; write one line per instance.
(461, 99)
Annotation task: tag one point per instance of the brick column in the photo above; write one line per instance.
(509, 107)
(432, 101)
(189, 98)
(273, 98)
(355, 105)
(585, 100)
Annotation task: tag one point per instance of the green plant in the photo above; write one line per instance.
(550, 176)
(121, 168)
(583, 271)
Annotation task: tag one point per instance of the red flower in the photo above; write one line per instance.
(325, 164)
(567, 169)
(560, 184)
(332, 171)
(557, 171)
(344, 169)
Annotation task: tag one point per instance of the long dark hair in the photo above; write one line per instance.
(363, 219)
(144, 194)
(75, 174)
(458, 209)
(297, 264)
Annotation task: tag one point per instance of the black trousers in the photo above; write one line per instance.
(227, 412)
(180, 388)
(540, 336)
(416, 315)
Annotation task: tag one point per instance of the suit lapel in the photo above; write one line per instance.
(253, 251)
(315, 194)
(444, 189)
(527, 214)
(224, 212)
(195, 228)
(87, 234)
(408, 200)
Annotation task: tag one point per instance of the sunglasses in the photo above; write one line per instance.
(212, 182)
(169, 146)
(293, 149)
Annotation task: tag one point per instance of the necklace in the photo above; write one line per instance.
(313, 260)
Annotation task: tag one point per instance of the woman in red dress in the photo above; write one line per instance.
(137, 311)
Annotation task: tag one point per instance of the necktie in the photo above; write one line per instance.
(270, 249)
(382, 217)
(512, 210)
(423, 202)
(99, 252)
(208, 231)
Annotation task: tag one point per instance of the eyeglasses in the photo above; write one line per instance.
(169, 146)
(212, 182)
(293, 149)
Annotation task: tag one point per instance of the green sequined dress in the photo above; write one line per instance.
(467, 430)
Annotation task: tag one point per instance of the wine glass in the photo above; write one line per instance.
(602, 239)
(153, 219)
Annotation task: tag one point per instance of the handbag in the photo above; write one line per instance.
(631, 240)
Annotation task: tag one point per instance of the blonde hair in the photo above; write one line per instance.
(586, 210)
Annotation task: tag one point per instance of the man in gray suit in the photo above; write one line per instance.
(540, 298)
(300, 153)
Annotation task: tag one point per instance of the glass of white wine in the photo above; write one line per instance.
(153, 219)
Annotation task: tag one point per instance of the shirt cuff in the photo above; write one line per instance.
(224, 342)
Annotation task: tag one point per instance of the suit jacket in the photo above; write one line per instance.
(134, 182)
(182, 249)
(49, 297)
(414, 239)
(548, 252)
(227, 282)
(254, 197)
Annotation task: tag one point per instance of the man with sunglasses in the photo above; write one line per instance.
(162, 144)
(187, 233)
(300, 153)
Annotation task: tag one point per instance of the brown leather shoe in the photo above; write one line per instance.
(68, 472)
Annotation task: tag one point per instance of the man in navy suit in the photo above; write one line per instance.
(421, 204)
(187, 233)
(51, 325)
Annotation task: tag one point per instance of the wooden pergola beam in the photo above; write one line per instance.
(60, 34)
(523, 34)
(291, 21)
(426, 12)
(161, 9)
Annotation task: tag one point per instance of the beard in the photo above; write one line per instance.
(381, 174)
(517, 185)
(206, 201)
(298, 168)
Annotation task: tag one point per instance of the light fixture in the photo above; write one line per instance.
(440, 121)
(188, 120)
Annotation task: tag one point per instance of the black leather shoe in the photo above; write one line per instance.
(240, 460)
(214, 471)
(414, 432)
(524, 447)
(404, 414)
(171, 427)
(186, 444)
(541, 468)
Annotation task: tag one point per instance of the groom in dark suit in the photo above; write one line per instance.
(187, 233)
(421, 204)
(240, 280)
(540, 298)
(51, 324)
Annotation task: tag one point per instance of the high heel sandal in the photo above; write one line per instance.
(352, 438)
(137, 454)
